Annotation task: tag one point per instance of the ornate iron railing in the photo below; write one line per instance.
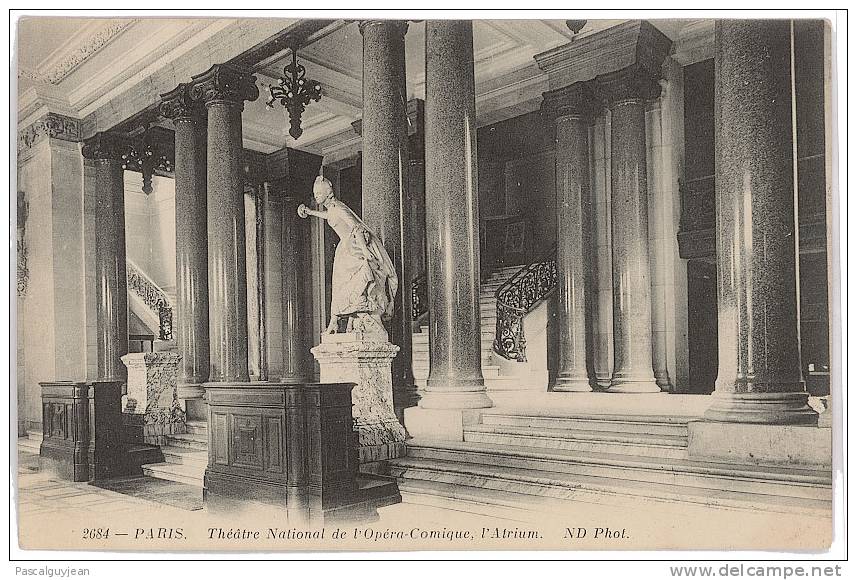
(419, 296)
(517, 296)
(153, 297)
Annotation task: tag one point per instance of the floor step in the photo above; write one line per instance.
(197, 427)
(591, 489)
(485, 502)
(185, 456)
(187, 441)
(808, 484)
(189, 474)
(588, 423)
(663, 446)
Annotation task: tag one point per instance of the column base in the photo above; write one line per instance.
(765, 408)
(633, 385)
(569, 383)
(469, 394)
(663, 382)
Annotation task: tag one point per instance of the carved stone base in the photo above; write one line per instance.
(153, 393)
(365, 359)
(769, 408)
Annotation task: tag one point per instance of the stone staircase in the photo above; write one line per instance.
(499, 374)
(526, 467)
(185, 456)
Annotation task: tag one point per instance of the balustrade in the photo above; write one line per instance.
(529, 286)
(153, 297)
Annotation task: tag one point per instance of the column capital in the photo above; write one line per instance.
(401, 26)
(632, 83)
(575, 100)
(223, 83)
(105, 145)
(178, 105)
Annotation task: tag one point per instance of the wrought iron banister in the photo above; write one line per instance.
(517, 296)
(153, 297)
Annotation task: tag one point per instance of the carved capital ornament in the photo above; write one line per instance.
(178, 105)
(224, 84)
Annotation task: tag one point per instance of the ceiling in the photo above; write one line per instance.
(58, 51)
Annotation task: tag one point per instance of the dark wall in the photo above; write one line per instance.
(517, 184)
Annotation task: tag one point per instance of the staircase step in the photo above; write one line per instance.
(634, 444)
(592, 489)
(189, 474)
(197, 427)
(778, 481)
(485, 502)
(185, 456)
(588, 423)
(188, 441)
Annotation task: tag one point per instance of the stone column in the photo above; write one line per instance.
(759, 376)
(224, 90)
(110, 274)
(189, 120)
(626, 92)
(452, 220)
(572, 108)
(386, 199)
(297, 367)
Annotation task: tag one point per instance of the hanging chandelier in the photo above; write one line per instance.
(295, 92)
(143, 155)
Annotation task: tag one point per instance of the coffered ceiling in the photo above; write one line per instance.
(86, 62)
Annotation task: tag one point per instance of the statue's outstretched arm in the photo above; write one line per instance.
(304, 211)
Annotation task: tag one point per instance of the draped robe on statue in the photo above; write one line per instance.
(364, 279)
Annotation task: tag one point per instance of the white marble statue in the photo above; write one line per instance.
(364, 279)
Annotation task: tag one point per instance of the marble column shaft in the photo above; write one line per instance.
(110, 266)
(572, 108)
(224, 90)
(452, 220)
(191, 235)
(295, 257)
(386, 199)
(759, 375)
(627, 91)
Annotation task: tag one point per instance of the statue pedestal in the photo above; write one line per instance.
(152, 398)
(364, 359)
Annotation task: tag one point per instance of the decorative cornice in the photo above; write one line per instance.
(54, 72)
(578, 99)
(107, 146)
(52, 126)
(695, 42)
(223, 83)
(633, 43)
